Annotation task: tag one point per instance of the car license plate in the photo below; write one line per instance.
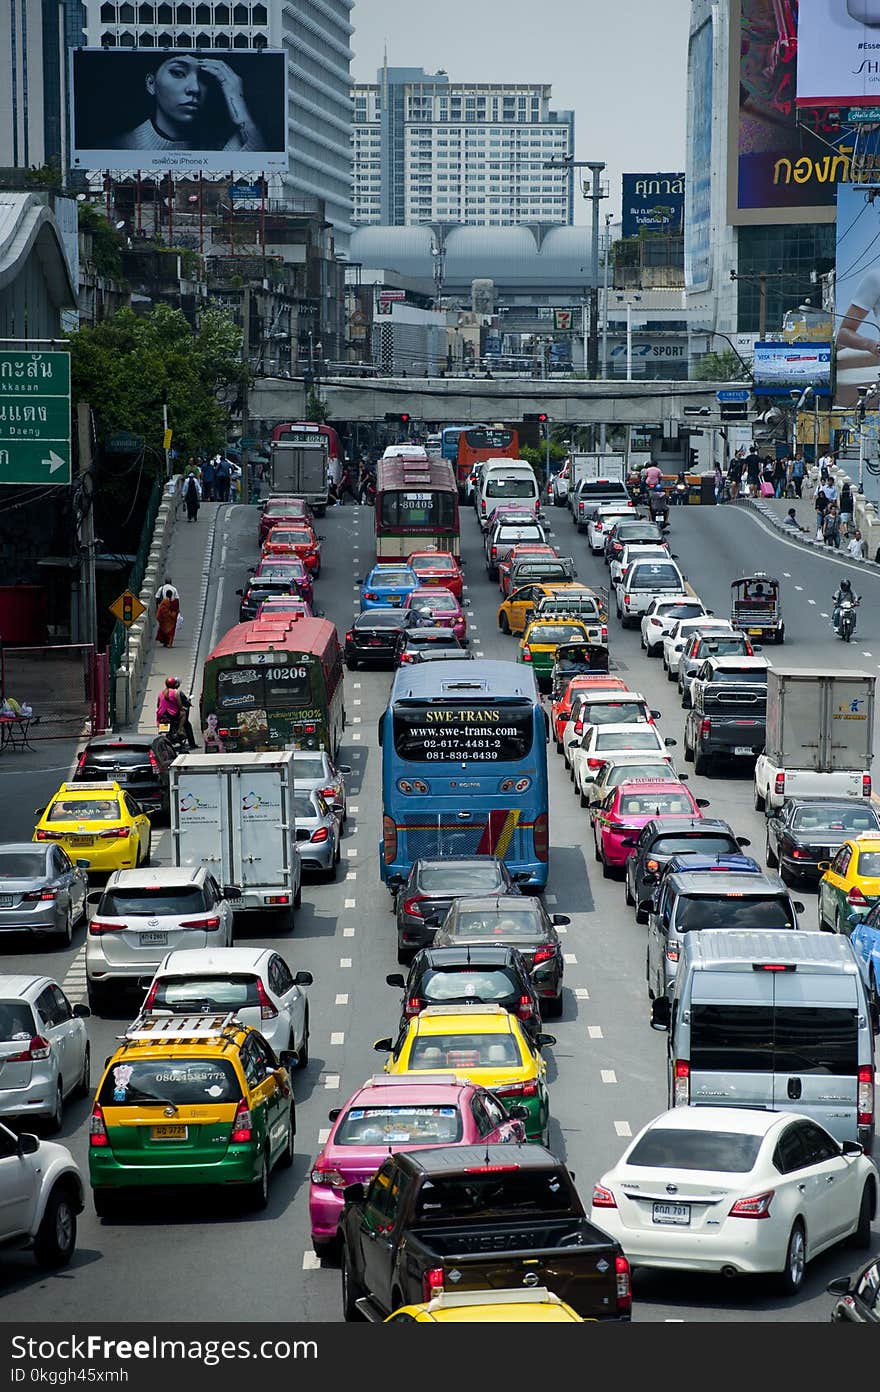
(6, 901)
(394, 599)
(677, 1214)
(80, 840)
(169, 1133)
(153, 939)
(756, 632)
(743, 749)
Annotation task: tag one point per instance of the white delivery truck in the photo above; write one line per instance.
(300, 469)
(820, 736)
(593, 468)
(234, 814)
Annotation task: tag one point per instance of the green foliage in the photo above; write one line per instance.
(47, 176)
(124, 365)
(719, 367)
(316, 407)
(536, 457)
(107, 243)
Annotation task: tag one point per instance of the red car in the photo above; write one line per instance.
(279, 510)
(438, 568)
(527, 550)
(560, 711)
(290, 540)
(287, 568)
(618, 820)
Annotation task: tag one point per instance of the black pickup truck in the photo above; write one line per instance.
(725, 721)
(475, 1218)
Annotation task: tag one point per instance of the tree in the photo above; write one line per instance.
(316, 407)
(720, 367)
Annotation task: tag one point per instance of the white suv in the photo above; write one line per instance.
(41, 1193)
(644, 581)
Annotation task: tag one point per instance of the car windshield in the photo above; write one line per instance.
(511, 488)
(464, 1051)
(775, 1039)
(433, 563)
(869, 864)
(674, 1149)
(700, 842)
(680, 611)
(734, 909)
(515, 1193)
(291, 538)
(304, 809)
(755, 676)
(500, 923)
(407, 1125)
(625, 739)
(377, 619)
(555, 634)
(16, 1021)
(182, 1082)
(206, 993)
(441, 602)
(22, 865)
(723, 647)
(83, 810)
(467, 984)
(164, 899)
(830, 819)
(461, 879)
(112, 754)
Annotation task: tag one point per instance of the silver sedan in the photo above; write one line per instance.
(315, 772)
(317, 833)
(41, 891)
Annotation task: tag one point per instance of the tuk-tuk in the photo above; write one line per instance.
(575, 660)
(756, 607)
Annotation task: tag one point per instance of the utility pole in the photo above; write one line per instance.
(595, 195)
(87, 618)
(244, 482)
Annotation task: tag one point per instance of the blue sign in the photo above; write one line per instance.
(245, 193)
(779, 368)
(733, 394)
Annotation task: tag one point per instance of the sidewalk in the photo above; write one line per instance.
(774, 510)
(188, 568)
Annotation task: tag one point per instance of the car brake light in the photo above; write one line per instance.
(329, 794)
(514, 1090)
(798, 854)
(319, 835)
(624, 1284)
(525, 1009)
(369, 594)
(276, 899)
(115, 834)
(652, 865)
(38, 1048)
(856, 898)
(526, 653)
(413, 907)
(866, 785)
(349, 637)
(671, 952)
(49, 835)
(599, 526)
(81, 761)
(242, 1131)
(705, 729)
(267, 1009)
(602, 1197)
(656, 622)
(326, 1174)
(779, 784)
(494, 552)
(413, 1006)
(389, 839)
(604, 633)
(579, 727)
(865, 1103)
(544, 954)
(757, 1206)
(100, 925)
(97, 1130)
(626, 599)
(432, 1281)
(150, 997)
(38, 895)
(681, 1089)
(542, 837)
(595, 763)
(209, 925)
(154, 762)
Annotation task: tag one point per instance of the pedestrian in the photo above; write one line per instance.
(820, 504)
(719, 484)
(797, 474)
(829, 488)
(166, 618)
(831, 527)
(734, 475)
(856, 546)
(790, 520)
(166, 590)
(192, 496)
(846, 508)
(753, 472)
(222, 475)
(779, 477)
(209, 476)
(234, 483)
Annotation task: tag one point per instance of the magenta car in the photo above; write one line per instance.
(440, 608)
(399, 1113)
(618, 820)
(288, 568)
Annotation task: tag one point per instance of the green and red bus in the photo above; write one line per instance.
(416, 507)
(275, 683)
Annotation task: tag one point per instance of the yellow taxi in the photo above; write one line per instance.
(850, 885)
(515, 612)
(190, 1100)
(483, 1043)
(536, 1306)
(98, 823)
(542, 637)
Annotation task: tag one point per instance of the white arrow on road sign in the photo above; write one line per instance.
(54, 461)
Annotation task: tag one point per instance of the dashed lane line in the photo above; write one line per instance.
(608, 1075)
(595, 1031)
(331, 1082)
(350, 904)
(337, 1038)
(581, 993)
(351, 875)
(344, 963)
(348, 932)
(811, 601)
(323, 1135)
(623, 1128)
(311, 1261)
(570, 959)
(342, 998)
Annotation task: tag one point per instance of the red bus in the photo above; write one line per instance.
(275, 683)
(302, 432)
(416, 507)
(484, 442)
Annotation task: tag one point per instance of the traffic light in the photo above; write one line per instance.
(399, 418)
(694, 458)
(127, 607)
(535, 418)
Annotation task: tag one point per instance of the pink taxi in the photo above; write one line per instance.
(619, 818)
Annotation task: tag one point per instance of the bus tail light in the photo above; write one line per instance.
(865, 1103)
(542, 838)
(389, 839)
(681, 1087)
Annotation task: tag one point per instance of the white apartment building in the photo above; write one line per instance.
(429, 150)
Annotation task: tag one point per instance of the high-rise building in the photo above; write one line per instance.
(315, 36)
(429, 150)
(34, 38)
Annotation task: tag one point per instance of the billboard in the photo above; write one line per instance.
(179, 110)
(698, 223)
(784, 163)
(857, 292)
(779, 368)
(838, 53)
(654, 202)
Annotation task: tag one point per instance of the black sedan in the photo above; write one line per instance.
(260, 589)
(804, 831)
(622, 533)
(524, 924)
(858, 1297)
(430, 642)
(422, 900)
(664, 837)
(139, 763)
(485, 975)
(377, 635)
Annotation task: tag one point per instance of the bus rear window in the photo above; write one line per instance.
(431, 733)
(417, 508)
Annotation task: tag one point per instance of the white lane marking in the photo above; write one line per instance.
(351, 875)
(331, 1081)
(561, 928)
(342, 998)
(351, 852)
(348, 932)
(811, 601)
(550, 899)
(608, 1075)
(355, 738)
(787, 574)
(323, 1135)
(353, 807)
(350, 904)
(357, 701)
(479, 653)
(581, 993)
(356, 686)
(74, 982)
(799, 587)
(570, 959)
(311, 1261)
(822, 614)
(623, 1128)
(595, 1031)
(344, 962)
(867, 654)
(355, 719)
(337, 1038)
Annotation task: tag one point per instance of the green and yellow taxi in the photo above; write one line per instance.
(517, 609)
(99, 823)
(541, 639)
(190, 1101)
(850, 884)
(535, 1306)
(483, 1043)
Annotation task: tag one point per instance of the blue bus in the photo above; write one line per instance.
(464, 768)
(449, 442)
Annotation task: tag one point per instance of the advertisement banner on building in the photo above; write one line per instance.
(179, 110)
(698, 224)
(652, 203)
(857, 292)
(784, 162)
(563, 319)
(779, 368)
(838, 53)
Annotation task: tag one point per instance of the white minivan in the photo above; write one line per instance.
(506, 481)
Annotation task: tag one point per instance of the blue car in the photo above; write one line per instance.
(865, 939)
(387, 586)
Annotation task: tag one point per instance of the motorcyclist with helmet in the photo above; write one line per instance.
(844, 592)
(172, 709)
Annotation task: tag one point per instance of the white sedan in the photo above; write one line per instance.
(603, 708)
(600, 524)
(600, 741)
(660, 616)
(254, 982)
(687, 1193)
(629, 768)
(675, 639)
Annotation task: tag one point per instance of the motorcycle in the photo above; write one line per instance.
(176, 738)
(846, 622)
(659, 507)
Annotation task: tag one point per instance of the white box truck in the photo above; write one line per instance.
(300, 469)
(593, 467)
(820, 736)
(234, 814)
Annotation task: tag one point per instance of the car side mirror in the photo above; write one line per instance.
(575, 743)
(38, 811)
(683, 777)
(396, 979)
(288, 1059)
(344, 768)
(518, 1112)
(239, 592)
(81, 1012)
(383, 1046)
(670, 742)
(823, 866)
(303, 978)
(660, 1013)
(852, 1148)
(545, 1040)
(434, 920)
(334, 1113)
(629, 841)
(94, 897)
(231, 891)
(839, 1286)
(354, 1193)
(646, 905)
(710, 611)
(522, 878)
(743, 841)
(799, 907)
(82, 864)
(561, 920)
(395, 882)
(320, 536)
(756, 647)
(656, 715)
(702, 802)
(359, 580)
(28, 1144)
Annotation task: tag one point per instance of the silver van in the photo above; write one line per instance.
(779, 1021)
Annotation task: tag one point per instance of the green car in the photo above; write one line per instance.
(540, 641)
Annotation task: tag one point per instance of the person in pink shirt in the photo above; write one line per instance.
(653, 475)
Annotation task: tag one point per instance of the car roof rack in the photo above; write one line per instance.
(173, 1029)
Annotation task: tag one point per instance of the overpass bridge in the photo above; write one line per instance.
(464, 399)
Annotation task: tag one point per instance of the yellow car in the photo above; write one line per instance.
(537, 1306)
(514, 613)
(850, 885)
(541, 639)
(98, 823)
(485, 1044)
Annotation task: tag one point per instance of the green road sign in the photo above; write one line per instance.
(35, 417)
(123, 442)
